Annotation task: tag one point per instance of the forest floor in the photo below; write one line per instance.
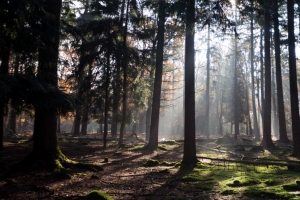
(134, 173)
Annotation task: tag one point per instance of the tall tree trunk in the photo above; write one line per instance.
(125, 65)
(85, 118)
(267, 139)
(262, 75)
(207, 96)
(77, 121)
(293, 80)
(236, 92)
(45, 121)
(149, 109)
(255, 124)
(58, 123)
(189, 149)
(153, 140)
(247, 101)
(3, 71)
(116, 84)
(13, 117)
(280, 102)
(107, 80)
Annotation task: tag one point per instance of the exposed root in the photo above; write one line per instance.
(56, 161)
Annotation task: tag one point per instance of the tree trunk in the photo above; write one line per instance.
(207, 96)
(280, 102)
(293, 80)
(149, 109)
(45, 121)
(3, 71)
(107, 80)
(85, 118)
(58, 123)
(247, 102)
(262, 91)
(255, 124)
(77, 121)
(125, 65)
(189, 149)
(153, 140)
(116, 83)
(236, 100)
(267, 139)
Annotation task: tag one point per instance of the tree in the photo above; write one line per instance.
(207, 97)
(153, 140)
(256, 131)
(293, 80)
(189, 149)
(281, 113)
(267, 140)
(125, 65)
(44, 136)
(236, 92)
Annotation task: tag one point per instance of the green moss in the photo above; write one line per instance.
(139, 147)
(95, 194)
(291, 187)
(177, 165)
(151, 163)
(228, 192)
(170, 142)
(164, 171)
(88, 167)
(275, 192)
(22, 141)
(165, 163)
(62, 173)
(191, 178)
(243, 181)
(272, 182)
(162, 147)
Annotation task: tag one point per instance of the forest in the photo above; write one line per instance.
(149, 99)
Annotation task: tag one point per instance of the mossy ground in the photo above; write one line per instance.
(131, 172)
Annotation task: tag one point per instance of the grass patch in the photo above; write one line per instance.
(95, 194)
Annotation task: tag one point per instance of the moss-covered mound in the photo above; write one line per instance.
(95, 194)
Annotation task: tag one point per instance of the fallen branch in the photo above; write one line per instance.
(257, 161)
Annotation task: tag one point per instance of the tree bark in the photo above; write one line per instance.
(236, 100)
(153, 140)
(125, 65)
(280, 102)
(267, 140)
(293, 80)
(3, 71)
(107, 80)
(189, 149)
(262, 91)
(255, 124)
(207, 96)
(45, 121)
